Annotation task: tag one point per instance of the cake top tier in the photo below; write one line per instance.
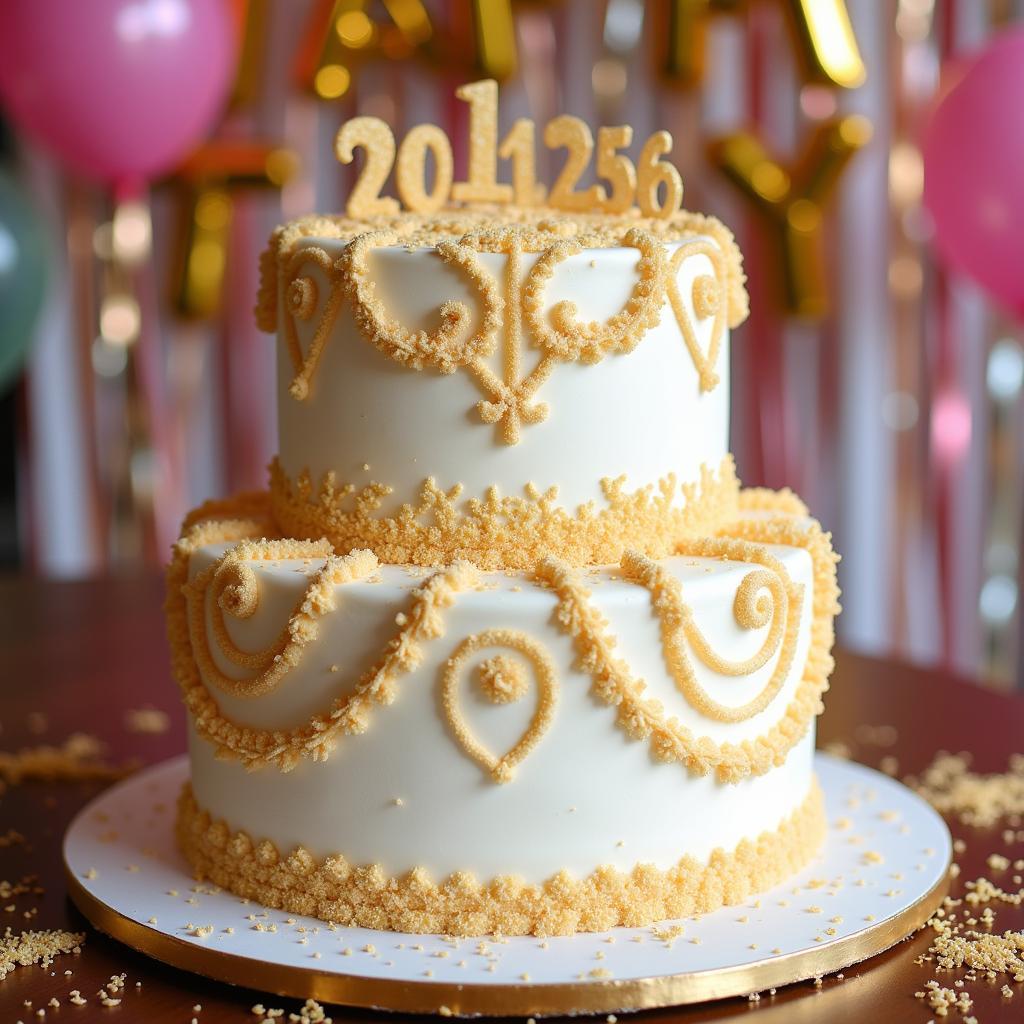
(485, 376)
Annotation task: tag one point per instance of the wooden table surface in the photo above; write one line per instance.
(74, 657)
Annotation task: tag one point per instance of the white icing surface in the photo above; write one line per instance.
(641, 414)
(587, 795)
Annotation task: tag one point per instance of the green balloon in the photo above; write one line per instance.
(24, 267)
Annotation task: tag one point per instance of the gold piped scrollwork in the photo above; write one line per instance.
(765, 597)
(509, 403)
(301, 300)
(568, 339)
(350, 711)
(708, 301)
(501, 769)
(232, 585)
(447, 348)
(557, 333)
(643, 717)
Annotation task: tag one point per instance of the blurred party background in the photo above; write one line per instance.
(866, 153)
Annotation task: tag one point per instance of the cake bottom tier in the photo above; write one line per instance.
(450, 750)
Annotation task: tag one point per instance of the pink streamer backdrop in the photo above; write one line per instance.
(887, 416)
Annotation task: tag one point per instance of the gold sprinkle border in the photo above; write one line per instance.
(334, 890)
(505, 531)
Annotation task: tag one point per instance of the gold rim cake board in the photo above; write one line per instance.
(509, 1000)
(508, 997)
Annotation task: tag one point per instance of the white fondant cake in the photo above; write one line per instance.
(504, 647)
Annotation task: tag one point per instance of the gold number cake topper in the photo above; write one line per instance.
(654, 184)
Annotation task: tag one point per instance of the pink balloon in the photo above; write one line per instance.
(117, 89)
(973, 161)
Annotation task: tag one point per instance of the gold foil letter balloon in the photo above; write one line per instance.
(821, 29)
(791, 198)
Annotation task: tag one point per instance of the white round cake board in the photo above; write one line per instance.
(882, 872)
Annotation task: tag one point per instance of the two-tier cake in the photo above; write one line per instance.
(504, 647)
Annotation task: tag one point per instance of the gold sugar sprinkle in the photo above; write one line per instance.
(79, 758)
(953, 789)
(25, 949)
(505, 532)
(147, 720)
